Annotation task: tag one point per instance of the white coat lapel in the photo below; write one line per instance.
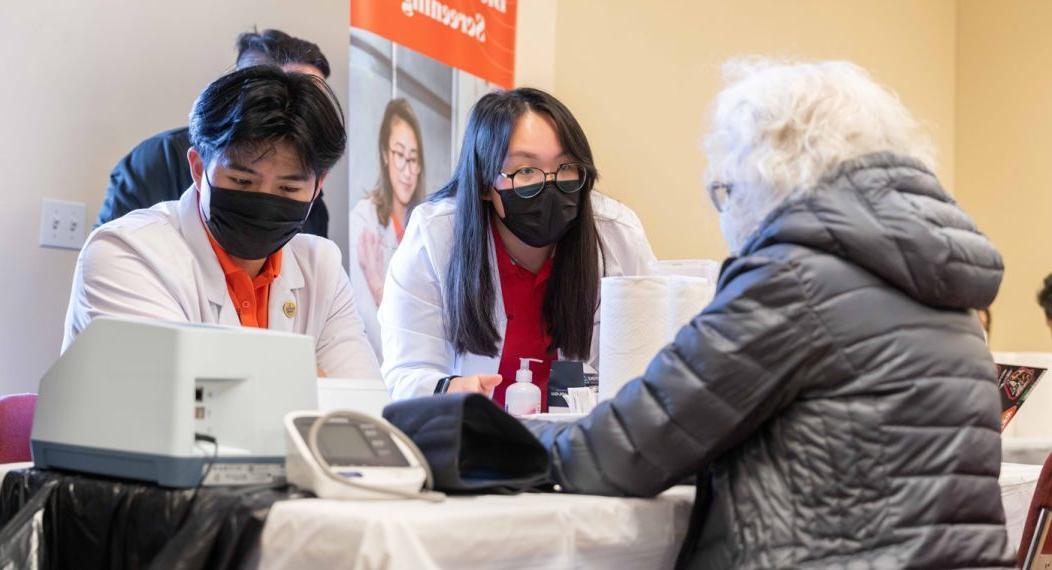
(285, 294)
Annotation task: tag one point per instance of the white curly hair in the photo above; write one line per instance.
(778, 126)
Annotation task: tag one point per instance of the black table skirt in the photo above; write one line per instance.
(53, 520)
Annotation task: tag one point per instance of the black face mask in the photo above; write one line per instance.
(253, 225)
(543, 219)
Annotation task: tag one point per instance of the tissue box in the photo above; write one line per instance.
(565, 375)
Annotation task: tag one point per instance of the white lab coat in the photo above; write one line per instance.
(363, 219)
(417, 351)
(158, 263)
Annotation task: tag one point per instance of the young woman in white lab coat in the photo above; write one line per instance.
(505, 261)
(230, 251)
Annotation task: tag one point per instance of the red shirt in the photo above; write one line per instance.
(526, 335)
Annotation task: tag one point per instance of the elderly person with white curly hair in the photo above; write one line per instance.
(836, 400)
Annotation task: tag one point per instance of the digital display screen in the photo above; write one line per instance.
(344, 442)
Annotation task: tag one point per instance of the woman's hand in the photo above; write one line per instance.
(371, 262)
(480, 383)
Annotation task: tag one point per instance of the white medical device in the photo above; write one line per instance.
(351, 455)
(132, 398)
(368, 396)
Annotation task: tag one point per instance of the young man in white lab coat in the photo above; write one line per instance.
(230, 251)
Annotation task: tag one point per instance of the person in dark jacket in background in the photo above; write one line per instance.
(1044, 298)
(836, 399)
(157, 169)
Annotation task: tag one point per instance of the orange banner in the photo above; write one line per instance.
(477, 36)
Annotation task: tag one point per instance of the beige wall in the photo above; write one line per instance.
(976, 72)
(1004, 152)
(535, 43)
(641, 75)
(84, 82)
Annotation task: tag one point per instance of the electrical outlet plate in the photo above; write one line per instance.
(62, 224)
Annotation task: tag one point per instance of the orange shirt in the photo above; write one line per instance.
(251, 295)
(399, 227)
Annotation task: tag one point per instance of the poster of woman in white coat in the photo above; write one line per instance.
(405, 106)
(378, 220)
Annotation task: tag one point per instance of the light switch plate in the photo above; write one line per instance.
(62, 224)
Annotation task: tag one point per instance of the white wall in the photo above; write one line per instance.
(85, 81)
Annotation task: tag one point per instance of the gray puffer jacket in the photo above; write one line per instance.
(837, 393)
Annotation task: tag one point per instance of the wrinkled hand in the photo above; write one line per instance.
(480, 384)
(371, 262)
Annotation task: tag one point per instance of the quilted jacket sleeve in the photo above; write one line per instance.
(745, 357)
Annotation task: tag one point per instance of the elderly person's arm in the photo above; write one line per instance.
(740, 362)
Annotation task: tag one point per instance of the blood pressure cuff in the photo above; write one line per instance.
(471, 444)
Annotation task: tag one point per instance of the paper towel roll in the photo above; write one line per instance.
(707, 268)
(633, 326)
(687, 296)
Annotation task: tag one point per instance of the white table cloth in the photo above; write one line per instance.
(521, 531)
(1017, 489)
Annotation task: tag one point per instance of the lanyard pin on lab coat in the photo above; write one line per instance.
(289, 308)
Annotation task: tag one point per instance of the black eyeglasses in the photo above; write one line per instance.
(528, 181)
(719, 193)
(401, 161)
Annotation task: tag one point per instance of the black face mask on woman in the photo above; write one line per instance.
(253, 225)
(543, 219)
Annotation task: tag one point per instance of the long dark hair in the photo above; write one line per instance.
(572, 293)
(383, 196)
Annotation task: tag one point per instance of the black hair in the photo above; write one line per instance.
(383, 197)
(278, 48)
(572, 292)
(248, 111)
(1044, 297)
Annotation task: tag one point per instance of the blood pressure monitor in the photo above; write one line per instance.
(351, 455)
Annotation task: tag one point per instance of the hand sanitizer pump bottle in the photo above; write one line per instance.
(523, 398)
